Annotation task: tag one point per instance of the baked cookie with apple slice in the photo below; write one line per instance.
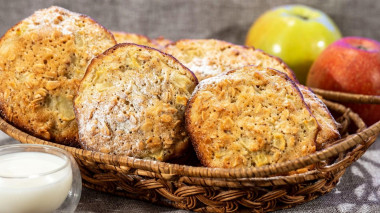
(123, 37)
(132, 102)
(329, 127)
(42, 60)
(162, 42)
(210, 57)
(248, 117)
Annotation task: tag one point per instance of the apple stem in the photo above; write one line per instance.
(302, 17)
(361, 47)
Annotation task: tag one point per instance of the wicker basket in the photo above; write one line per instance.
(226, 190)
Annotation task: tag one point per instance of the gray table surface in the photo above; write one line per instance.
(359, 188)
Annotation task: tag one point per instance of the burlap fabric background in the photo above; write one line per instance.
(358, 190)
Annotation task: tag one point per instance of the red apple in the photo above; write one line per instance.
(351, 64)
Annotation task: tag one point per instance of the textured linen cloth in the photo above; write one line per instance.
(359, 188)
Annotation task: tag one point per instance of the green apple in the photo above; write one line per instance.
(295, 33)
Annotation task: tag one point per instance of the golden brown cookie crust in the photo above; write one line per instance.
(124, 37)
(251, 116)
(162, 42)
(42, 60)
(329, 129)
(210, 57)
(132, 102)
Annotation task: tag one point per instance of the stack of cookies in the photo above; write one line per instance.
(42, 61)
(67, 79)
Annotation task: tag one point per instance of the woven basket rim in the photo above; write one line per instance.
(347, 97)
(204, 172)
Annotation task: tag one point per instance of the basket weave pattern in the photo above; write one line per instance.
(225, 190)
